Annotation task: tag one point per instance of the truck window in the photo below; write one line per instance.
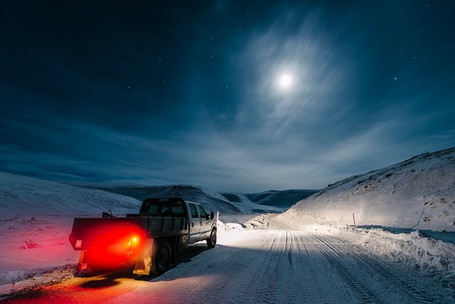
(151, 208)
(193, 211)
(202, 211)
(165, 210)
(163, 207)
(178, 211)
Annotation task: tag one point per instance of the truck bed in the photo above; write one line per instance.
(86, 232)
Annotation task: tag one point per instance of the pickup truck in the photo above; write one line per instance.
(149, 241)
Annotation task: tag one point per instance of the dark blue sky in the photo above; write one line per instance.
(169, 92)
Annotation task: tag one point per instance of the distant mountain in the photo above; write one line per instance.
(418, 193)
(282, 199)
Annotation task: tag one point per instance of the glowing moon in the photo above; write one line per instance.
(285, 81)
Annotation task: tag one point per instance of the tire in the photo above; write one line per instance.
(161, 260)
(211, 241)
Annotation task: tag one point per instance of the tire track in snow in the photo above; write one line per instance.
(363, 293)
(266, 271)
(401, 281)
(283, 270)
(248, 283)
(381, 279)
(317, 281)
(324, 284)
(306, 276)
(304, 285)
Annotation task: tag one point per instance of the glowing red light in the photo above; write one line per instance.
(119, 244)
(133, 241)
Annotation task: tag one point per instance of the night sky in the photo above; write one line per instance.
(231, 95)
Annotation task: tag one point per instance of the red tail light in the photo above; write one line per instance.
(134, 241)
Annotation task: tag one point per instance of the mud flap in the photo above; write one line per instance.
(82, 263)
(142, 266)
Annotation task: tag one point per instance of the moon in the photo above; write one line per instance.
(285, 81)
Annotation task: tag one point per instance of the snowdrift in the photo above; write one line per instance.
(418, 193)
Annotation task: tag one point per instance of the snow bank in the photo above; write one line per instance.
(433, 258)
(414, 250)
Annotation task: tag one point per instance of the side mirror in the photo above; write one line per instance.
(210, 216)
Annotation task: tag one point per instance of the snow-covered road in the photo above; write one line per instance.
(274, 265)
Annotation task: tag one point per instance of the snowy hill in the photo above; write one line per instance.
(20, 194)
(418, 193)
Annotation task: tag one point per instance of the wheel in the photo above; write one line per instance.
(161, 259)
(211, 242)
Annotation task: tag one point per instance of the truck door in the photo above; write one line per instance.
(195, 224)
(205, 223)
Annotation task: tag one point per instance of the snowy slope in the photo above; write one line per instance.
(418, 193)
(244, 203)
(20, 194)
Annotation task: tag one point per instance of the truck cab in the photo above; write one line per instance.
(200, 223)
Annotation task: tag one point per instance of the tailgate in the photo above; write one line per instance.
(89, 232)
